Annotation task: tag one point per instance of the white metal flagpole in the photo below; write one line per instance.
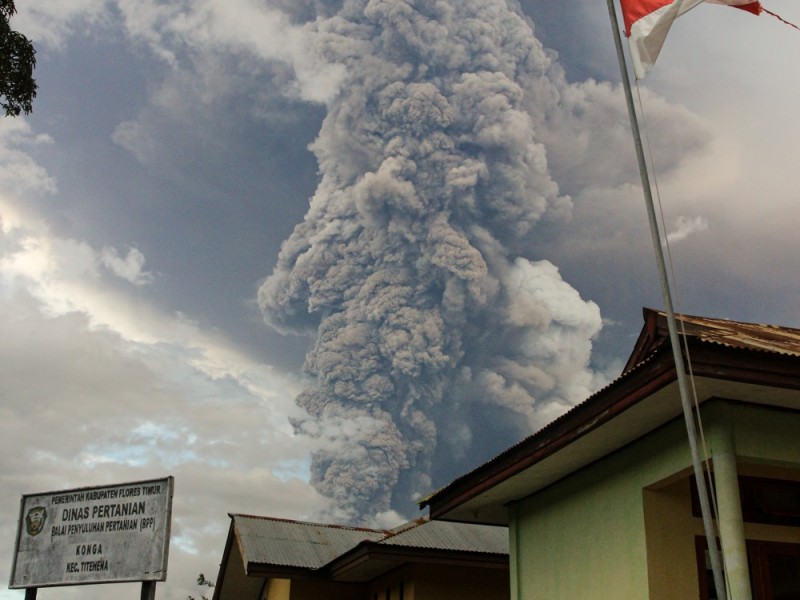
(691, 426)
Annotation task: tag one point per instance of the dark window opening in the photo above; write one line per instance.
(768, 501)
(774, 570)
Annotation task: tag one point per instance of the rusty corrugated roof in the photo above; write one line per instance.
(748, 336)
(725, 332)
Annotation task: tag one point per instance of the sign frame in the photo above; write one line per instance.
(116, 533)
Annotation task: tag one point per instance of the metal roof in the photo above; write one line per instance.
(751, 336)
(441, 535)
(286, 543)
(260, 548)
(725, 332)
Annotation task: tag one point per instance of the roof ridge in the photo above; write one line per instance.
(308, 523)
(395, 531)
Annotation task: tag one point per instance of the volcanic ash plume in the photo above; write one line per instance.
(438, 342)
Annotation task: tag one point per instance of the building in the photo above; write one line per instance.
(601, 502)
(276, 559)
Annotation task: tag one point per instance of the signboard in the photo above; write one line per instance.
(94, 535)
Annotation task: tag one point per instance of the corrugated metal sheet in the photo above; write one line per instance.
(749, 336)
(722, 332)
(441, 535)
(296, 544)
(285, 543)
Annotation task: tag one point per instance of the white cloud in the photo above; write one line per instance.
(129, 267)
(131, 136)
(101, 386)
(185, 34)
(19, 172)
(52, 22)
(686, 226)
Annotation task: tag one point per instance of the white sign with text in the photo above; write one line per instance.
(94, 535)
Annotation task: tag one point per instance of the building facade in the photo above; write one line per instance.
(277, 559)
(602, 502)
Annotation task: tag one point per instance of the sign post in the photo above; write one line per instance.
(109, 534)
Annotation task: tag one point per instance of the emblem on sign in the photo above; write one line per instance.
(35, 519)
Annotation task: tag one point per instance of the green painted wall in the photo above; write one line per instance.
(768, 436)
(584, 537)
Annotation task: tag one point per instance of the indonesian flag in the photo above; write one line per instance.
(648, 21)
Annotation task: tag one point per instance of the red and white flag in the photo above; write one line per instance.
(648, 21)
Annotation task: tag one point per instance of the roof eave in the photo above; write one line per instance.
(708, 360)
(346, 567)
(582, 419)
(283, 572)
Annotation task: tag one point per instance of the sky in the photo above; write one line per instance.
(175, 266)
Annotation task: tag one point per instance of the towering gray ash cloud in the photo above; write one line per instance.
(438, 339)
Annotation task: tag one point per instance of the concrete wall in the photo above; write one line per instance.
(767, 445)
(768, 437)
(670, 533)
(277, 589)
(623, 527)
(584, 537)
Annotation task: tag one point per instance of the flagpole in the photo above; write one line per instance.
(691, 426)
